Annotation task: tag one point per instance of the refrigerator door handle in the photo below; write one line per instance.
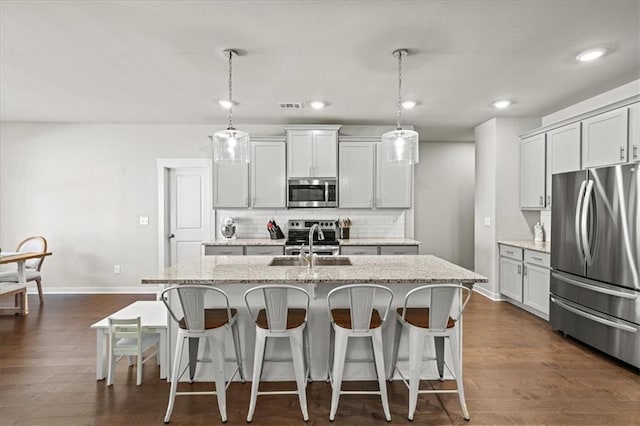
(594, 317)
(584, 235)
(577, 220)
(594, 287)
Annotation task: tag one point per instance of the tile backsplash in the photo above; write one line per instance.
(365, 224)
(545, 221)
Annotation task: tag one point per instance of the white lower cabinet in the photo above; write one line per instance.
(359, 250)
(525, 278)
(264, 250)
(223, 250)
(399, 250)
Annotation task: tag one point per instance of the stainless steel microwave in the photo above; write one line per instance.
(312, 193)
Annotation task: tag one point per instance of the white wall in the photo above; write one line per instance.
(444, 182)
(84, 186)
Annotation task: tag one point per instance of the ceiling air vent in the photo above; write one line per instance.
(290, 105)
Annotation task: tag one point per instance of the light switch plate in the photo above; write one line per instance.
(487, 221)
(144, 220)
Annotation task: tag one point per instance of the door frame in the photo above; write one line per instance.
(163, 167)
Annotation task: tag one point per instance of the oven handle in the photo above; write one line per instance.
(595, 318)
(326, 192)
(594, 287)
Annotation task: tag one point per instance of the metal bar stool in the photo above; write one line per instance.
(360, 319)
(276, 319)
(436, 320)
(198, 321)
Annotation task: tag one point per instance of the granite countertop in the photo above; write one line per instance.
(364, 269)
(379, 242)
(544, 247)
(348, 242)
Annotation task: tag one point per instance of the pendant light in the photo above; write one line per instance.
(230, 146)
(400, 146)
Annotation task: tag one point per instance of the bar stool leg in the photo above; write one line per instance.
(216, 345)
(439, 345)
(139, 372)
(258, 357)
(296, 340)
(340, 342)
(457, 370)
(175, 374)
(332, 339)
(416, 344)
(376, 339)
(307, 354)
(396, 348)
(236, 344)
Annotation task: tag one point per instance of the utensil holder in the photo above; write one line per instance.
(344, 233)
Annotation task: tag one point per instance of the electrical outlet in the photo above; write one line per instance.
(116, 269)
(144, 220)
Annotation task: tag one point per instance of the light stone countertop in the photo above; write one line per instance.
(379, 242)
(544, 247)
(347, 242)
(215, 270)
(245, 242)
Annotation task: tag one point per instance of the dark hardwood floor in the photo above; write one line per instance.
(517, 371)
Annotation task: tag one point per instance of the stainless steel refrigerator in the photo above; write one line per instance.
(595, 258)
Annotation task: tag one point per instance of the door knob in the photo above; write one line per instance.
(170, 236)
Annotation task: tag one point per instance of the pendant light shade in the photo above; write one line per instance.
(230, 146)
(400, 146)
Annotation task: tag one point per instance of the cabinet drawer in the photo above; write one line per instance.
(264, 250)
(537, 258)
(510, 251)
(402, 250)
(223, 250)
(359, 250)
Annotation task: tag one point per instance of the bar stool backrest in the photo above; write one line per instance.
(361, 301)
(440, 303)
(192, 300)
(276, 303)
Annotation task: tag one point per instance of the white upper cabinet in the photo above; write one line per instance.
(605, 138)
(312, 152)
(634, 132)
(230, 185)
(533, 172)
(394, 184)
(563, 146)
(366, 182)
(356, 174)
(268, 174)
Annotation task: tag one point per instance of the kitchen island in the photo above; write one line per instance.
(236, 274)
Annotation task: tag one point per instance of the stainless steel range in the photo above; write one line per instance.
(298, 237)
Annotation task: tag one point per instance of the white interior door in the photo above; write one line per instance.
(188, 213)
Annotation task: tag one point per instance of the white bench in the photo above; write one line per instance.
(20, 303)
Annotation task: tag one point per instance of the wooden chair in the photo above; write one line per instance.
(197, 321)
(438, 318)
(276, 319)
(127, 338)
(32, 266)
(360, 319)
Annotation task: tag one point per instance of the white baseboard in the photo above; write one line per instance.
(146, 289)
(496, 297)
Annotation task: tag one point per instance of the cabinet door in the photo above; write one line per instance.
(359, 250)
(536, 288)
(268, 174)
(399, 250)
(511, 278)
(223, 250)
(393, 184)
(230, 185)
(324, 153)
(532, 172)
(634, 132)
(605, 138)
(356, 174)
(299, 153)
(264, 250)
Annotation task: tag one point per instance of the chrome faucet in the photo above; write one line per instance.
(314, 227)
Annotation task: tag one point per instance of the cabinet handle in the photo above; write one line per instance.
(519, 269)
(622, 152)
(548, 200)
(508, 252)
(524, 270)
(539, 259)
(635, 152)
(541, 200)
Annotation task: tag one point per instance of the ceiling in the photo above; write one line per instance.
(162, 61)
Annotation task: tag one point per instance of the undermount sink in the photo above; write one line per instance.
(320, 261)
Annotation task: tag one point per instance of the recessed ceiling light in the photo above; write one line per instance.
(409, 104)
(226, 104)
(591, 54)
(317, 104)
(502, 103)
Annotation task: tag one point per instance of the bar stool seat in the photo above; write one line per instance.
(213, 318)
(419, 317)
(360, 319)
(295, 318)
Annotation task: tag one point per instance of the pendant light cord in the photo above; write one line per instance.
(400, 52)
(230, 98)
